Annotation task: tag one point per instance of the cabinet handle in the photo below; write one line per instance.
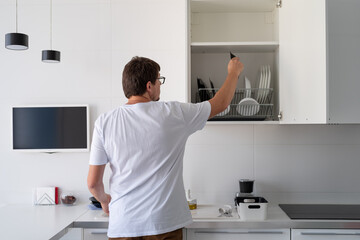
(265, 232)
(248, 232)
(99, 232)
(327, 233)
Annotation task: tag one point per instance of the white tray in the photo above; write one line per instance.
(211, 212)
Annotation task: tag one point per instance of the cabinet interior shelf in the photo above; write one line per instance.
(232, 6)
(245, 47)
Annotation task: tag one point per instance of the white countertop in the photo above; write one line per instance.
(276, 218)
(37, 222)
(51, 222)
(207, 216)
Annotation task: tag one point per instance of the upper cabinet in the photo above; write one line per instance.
(319, 61)
(343, 61)
(301, 57)
(249, 30)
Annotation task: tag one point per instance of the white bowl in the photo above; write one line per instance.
(248, 107)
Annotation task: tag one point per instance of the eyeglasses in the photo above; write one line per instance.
(161, 80)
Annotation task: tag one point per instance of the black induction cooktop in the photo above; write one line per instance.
(322, 211)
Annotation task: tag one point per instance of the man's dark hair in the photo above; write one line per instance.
(137, 73)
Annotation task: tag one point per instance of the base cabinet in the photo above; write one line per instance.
(325, 234)
(95, 234)
(72, 234)
(101, 234)
(238, 234)
(247, 234)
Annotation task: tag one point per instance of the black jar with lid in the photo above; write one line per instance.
(246, 186)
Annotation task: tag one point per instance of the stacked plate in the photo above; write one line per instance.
(264, 84)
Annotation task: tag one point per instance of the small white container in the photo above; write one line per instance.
(252, 208)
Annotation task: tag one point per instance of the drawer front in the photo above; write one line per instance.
(325, 234)
(95, 234)
(101, 234)
(238, 234)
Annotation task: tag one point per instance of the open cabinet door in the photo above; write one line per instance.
(302, 61)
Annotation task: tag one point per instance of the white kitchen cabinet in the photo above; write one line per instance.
(319, 60)
(72, 234)
(311, 46)
(249, 29)
(302, 58)
(238, 234)
(95, 234)
(325, 234)
(101, 234)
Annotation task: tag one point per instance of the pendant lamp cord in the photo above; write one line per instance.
(50, 24)
(16, 16)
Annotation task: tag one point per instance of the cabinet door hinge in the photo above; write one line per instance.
(279, 3)
(280, 115)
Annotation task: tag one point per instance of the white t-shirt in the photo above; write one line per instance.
(144, 144)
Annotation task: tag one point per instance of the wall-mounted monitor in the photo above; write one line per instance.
(57, 128)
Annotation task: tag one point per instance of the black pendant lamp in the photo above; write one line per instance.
(50, 56)
(16, 41)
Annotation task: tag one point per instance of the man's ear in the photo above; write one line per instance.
(148, 86)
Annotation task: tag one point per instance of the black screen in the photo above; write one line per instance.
(49, 127)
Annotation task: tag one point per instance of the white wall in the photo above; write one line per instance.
(96, 38)
(295, 163)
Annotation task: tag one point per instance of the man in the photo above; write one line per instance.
(144, 143)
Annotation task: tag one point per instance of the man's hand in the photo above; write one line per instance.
(235, 66)
(96, 186)
(105, 204)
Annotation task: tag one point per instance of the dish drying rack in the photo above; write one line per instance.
(264, 110)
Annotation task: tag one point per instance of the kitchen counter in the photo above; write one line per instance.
(37, 222)
(51, 222)
(276, 218)
(206, 216)
(92, 219)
